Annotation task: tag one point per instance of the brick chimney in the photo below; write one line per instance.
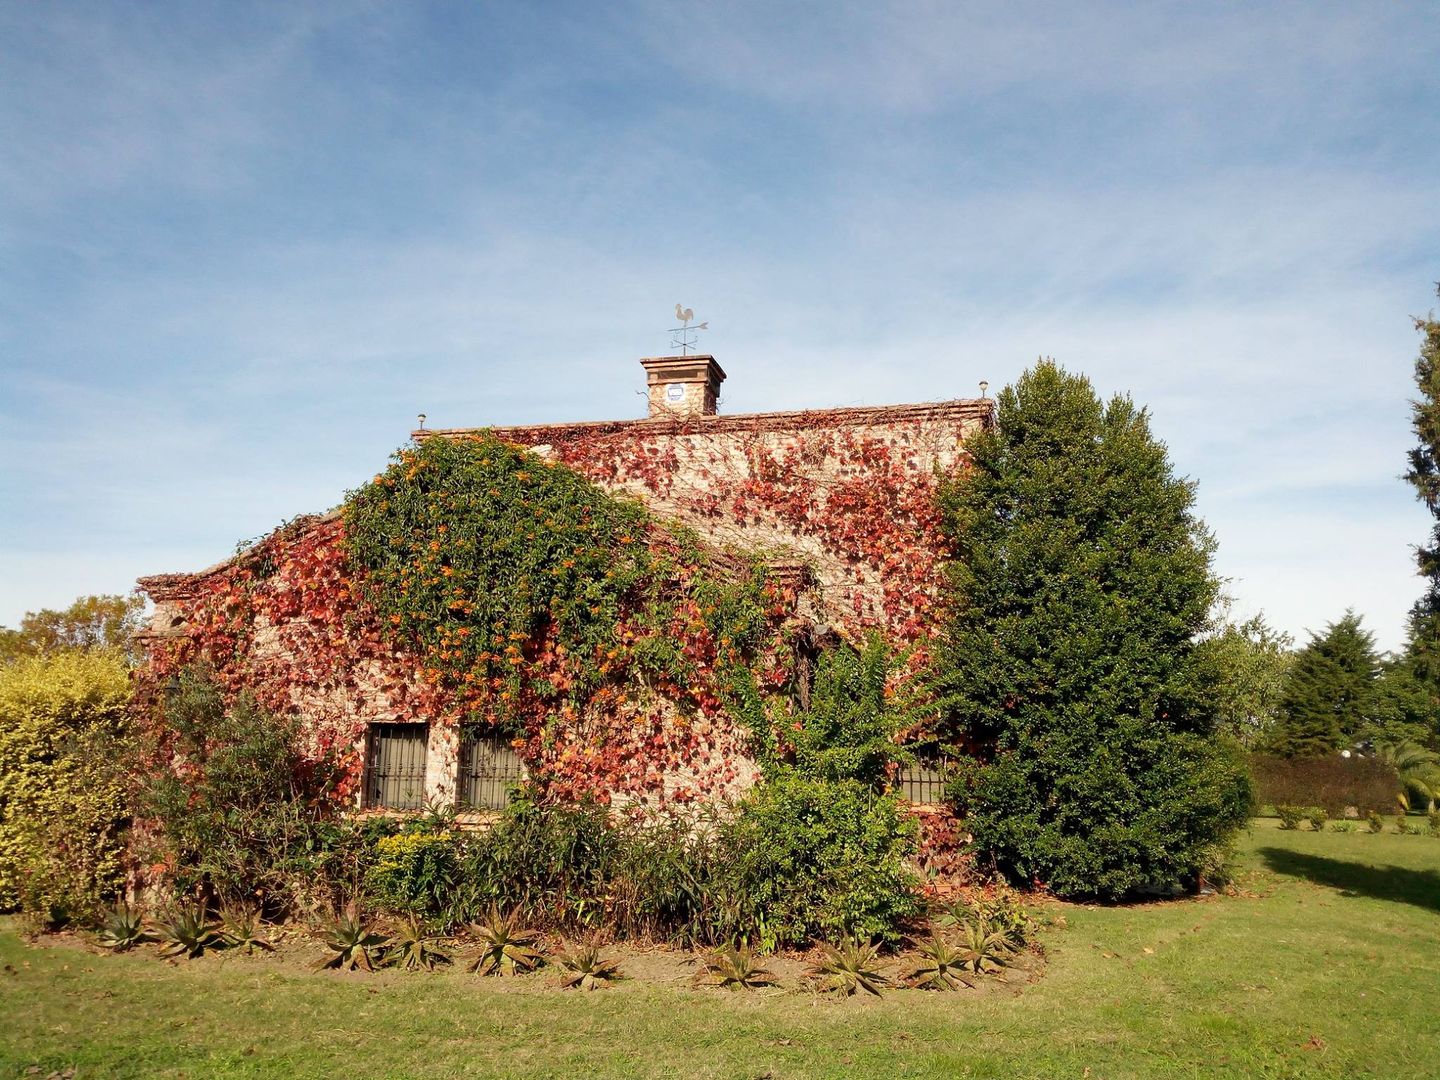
(682, 385)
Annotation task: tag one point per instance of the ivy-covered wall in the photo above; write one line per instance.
(641, 652)
(848, 492)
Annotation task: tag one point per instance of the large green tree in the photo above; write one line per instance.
(1422, 654)
(1330, 696)
(1081, 583)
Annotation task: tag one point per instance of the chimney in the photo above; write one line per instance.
(682, 385)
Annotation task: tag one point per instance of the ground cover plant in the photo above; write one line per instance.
(1348, 919)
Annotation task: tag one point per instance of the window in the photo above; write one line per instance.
(924, 781)
(395, 766)
(489, 768)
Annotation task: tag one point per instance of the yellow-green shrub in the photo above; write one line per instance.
(62, 788)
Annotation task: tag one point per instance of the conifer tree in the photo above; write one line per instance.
(1423, 647)
(1081, 581)
(1330, 693)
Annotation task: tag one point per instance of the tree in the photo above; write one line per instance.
(91, 622)
(1330, 695)
(1080, 582)
(1423, 647)
(1249, 661)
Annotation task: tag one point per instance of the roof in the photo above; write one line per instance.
(981, 410)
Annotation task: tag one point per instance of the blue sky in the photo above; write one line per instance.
(241, 246)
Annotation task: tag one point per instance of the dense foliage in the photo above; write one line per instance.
(800, 858)
(528, 589)
(812, 858)
(1330, 692)
(236, 812)
(62, 783)
(1081, 582)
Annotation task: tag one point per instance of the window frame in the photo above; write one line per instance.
(912, 779)
(380, 741)
(507, 769)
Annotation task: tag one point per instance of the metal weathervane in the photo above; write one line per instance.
(682, 337)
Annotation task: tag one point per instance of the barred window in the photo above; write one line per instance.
(924, 781)
(395, 766)
(489, 768)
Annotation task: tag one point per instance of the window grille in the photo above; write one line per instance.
(395, 766)
(924, 781)
(489, 768)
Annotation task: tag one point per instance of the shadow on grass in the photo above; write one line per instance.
(1397, 883)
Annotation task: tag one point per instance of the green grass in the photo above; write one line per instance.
(1328, 965)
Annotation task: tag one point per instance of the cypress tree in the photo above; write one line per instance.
(1330, 693)
(1422, 652)
(1081, 580)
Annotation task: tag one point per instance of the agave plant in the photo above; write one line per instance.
(982, 948)
(585, 968)
(124, 928)
(849, 967)
(240, 929)
(413, 948)
(188, 932)
(1003, 913)
(940, 966)
(355, 944)
(506, 947)
(735, 969)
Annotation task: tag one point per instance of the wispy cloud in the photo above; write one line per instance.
(241, 248)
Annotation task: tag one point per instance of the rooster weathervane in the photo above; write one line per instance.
(682, 337)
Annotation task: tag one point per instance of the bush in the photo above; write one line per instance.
(241, 815)
(1290, 816)
(1333, 782)
(415, 869)
(1317, 817)
(550, 862)
(847, 729)
(1342, 826)
(1433, 822)
(63, 811)
(1375, 822)
(808, 858)
(1146, 817)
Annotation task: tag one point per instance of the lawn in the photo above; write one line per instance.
(1327, 964)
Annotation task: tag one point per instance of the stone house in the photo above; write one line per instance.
(839, 502)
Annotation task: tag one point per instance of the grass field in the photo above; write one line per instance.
(1328, 964)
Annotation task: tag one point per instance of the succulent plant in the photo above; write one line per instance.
(124, 928)
(240, 929)
(413, 948)
(506, 946)
(849, 967)
(586, 968)
(355, 944)
(939, 966)
(188, 931)
(735, 969)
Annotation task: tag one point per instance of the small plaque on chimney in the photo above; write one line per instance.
(674, 392)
